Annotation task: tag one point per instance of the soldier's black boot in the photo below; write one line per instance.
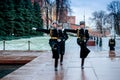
(55, 69)
(56, 64)
(61, 60)
(82, 63)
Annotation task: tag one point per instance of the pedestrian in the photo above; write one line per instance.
(112, 44)
(100, 42)
(82, 38)
(62, 37)
(97, 40)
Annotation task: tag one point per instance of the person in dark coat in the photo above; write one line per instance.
(53, 42)
(83, 37)
(56, 42)
(62, 37)
(112, 44)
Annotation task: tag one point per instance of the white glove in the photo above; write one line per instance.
(84, 40)
(59, 40)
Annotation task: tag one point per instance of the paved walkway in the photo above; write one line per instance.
(18, 57)
(100, 65)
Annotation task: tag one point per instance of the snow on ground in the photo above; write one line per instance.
(42, 43)
(36, 43)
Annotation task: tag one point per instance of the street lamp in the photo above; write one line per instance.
(57, 9)
(47, 16)
(114, 24)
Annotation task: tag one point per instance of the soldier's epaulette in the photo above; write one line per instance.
(51, 32)
(51, 28)
(78, 32)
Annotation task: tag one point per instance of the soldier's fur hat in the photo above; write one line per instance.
(54, 22)
(82, 22)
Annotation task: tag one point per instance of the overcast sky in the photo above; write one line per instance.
(80, 7)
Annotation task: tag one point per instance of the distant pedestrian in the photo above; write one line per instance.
(97, 41)
(111, 44)
(100, 42)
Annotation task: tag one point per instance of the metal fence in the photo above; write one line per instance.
(14, 46)
(30, 44)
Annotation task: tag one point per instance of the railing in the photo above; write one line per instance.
(26, 44)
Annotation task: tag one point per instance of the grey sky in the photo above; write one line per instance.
(80, 7)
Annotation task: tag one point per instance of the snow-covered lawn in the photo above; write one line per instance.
(42, 43)
(36, 43)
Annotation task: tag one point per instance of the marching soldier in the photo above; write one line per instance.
(62, 35)
(53, 42)
(56, 42)
(83, 37)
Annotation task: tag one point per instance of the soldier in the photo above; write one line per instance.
(53, 41)
(83, 37)
(62, 35)
(56, 42)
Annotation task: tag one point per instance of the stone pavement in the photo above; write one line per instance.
(18, 57)
(99, 65)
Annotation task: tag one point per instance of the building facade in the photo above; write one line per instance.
(72, 22)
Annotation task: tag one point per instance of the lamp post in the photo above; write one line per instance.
(57, 9)
(47, 16)
(114, 24)
(46, 7)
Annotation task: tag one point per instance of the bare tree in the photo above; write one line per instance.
(98, 17)
(62, 9)
(114, 8)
